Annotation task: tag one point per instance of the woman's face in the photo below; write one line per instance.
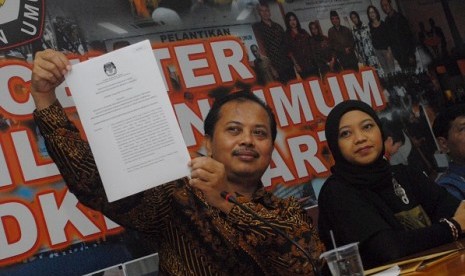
(372, 14)
(354, 19)
(292, 22)
(314, 29)
(360, 140)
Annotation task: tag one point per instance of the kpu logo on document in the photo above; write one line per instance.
(110, 68)
(21, 22)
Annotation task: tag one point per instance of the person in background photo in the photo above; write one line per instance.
(436, 40)
(449, 130)
(422, 33)
(68, 36)
(418, 130)
(300, 47)
(325, 57)
(197, 231)
(272, 39)
(380, 40)
(391, 211)
(394, 137)
(262, 66)
(342, 41)
(363, 43)
(400, 36)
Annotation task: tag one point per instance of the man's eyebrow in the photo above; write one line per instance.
(239, 123)
(234, 122)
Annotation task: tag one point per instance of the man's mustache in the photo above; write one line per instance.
(245, 151)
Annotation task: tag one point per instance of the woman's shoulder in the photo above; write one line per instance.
(402, 170)
(333, 186)
(409, 176)
(399, 168)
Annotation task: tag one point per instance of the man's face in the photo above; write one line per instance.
(454, 145)
(242, 140)
(386, 6)
(264, 13)
(335, 21)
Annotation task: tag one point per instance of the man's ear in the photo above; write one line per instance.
(443, 145)
(208, 144)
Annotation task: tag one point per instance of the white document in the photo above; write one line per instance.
(393, 271)
(130, 124)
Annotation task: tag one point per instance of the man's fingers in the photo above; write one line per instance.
(56, 57)
(54, 62)
(201, 174)
(198, 184)
(56, 67)
(206, 163)
(47, 75)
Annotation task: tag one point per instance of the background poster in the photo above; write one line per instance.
(44, 231)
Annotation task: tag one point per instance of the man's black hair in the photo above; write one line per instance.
(241, 96)
(390, 129)
(443, 120)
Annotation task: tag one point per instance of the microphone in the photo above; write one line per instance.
(232, 198)
(229, 197)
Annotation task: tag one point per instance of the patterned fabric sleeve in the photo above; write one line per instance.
(74, 159)
(288, 216)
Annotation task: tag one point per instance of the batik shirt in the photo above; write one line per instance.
(193, 237)
(276, 46)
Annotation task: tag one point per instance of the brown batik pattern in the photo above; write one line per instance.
(193, 237)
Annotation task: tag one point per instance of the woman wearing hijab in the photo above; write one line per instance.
(391, 211)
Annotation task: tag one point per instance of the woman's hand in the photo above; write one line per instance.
(209, 176)
(459, 215)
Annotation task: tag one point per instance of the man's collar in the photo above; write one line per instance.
(257, 195)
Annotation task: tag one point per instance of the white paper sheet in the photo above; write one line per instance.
(393, 271)
(130, 124)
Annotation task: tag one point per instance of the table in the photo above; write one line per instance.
(453, 266)
(444, 260)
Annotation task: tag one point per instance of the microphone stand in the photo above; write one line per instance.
(231, 198)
